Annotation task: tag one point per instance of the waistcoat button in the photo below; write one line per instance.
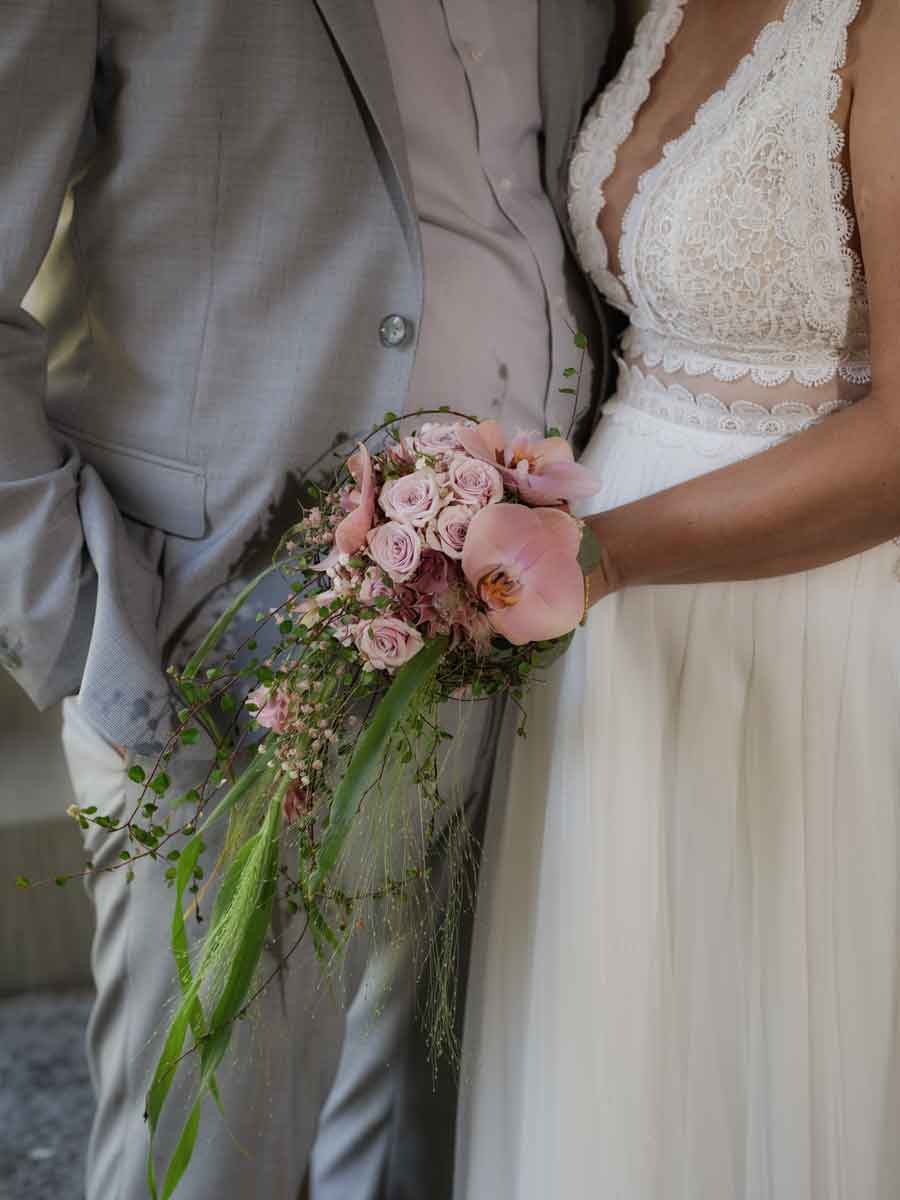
(395, 331)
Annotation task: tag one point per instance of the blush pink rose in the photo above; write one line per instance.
(373, 585)
(448, 532)
(387, 643)
(274, 709)
(437, 438)
(414, 498)
(397, 548)
(475, 482)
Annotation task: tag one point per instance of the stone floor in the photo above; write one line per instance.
(45, 1096)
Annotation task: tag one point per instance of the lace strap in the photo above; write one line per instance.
(607, 127)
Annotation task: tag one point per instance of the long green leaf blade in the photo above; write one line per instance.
(164, 1074)
(368, 755)
(259, 855)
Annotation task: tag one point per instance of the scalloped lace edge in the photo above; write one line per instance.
(628, 92)
(678, 405)
(657, 350)
(670, 435)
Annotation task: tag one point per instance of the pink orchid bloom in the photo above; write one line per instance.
(542, 470)
(350, 535)
(522, 563)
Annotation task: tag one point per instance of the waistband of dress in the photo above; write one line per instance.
(677, 404)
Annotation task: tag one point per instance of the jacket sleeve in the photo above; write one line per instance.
(47, 582)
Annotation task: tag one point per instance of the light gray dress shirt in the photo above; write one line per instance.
(496, 327)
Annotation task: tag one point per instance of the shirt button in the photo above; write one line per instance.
(395, 331)
(476, 53)
(505, 184)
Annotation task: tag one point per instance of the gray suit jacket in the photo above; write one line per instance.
(242, 223)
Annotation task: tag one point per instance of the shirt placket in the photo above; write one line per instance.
(511, 171)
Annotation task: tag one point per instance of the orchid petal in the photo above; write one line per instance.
(496, 534)
(557, 482)
(553, 450)
(552, 607)
(540, 548)
(350, 535)
(484, 441)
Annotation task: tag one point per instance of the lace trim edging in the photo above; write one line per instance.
(676, 404)
(619, 105)
(656, 351)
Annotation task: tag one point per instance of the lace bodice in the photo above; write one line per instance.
(736, 250)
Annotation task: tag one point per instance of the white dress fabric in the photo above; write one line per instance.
(685, 982)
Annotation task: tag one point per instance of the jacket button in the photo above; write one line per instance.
(395, 331)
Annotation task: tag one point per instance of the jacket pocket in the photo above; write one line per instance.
(163, 493)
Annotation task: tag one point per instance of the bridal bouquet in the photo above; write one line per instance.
(437, 565)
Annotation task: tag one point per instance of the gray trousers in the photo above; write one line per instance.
(311, 1088)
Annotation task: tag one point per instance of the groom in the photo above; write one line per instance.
(289, 216)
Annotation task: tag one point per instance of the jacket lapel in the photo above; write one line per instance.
(573, 41)
(561, 83)
(356, 32)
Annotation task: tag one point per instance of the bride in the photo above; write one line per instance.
(686, 982)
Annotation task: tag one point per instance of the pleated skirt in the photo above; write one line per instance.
(685, 973)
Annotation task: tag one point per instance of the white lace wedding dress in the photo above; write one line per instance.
(685, 982)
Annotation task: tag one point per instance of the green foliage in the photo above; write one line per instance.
(231, 951)
(362, 768)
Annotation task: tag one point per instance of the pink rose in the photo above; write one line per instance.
(397, 549)
(448, 532)
(273, 708)
(414, 498)
(387, 643)
(437, 438)
(474, 482)
(373, 586)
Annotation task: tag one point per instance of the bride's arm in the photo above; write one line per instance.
(833, 490)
